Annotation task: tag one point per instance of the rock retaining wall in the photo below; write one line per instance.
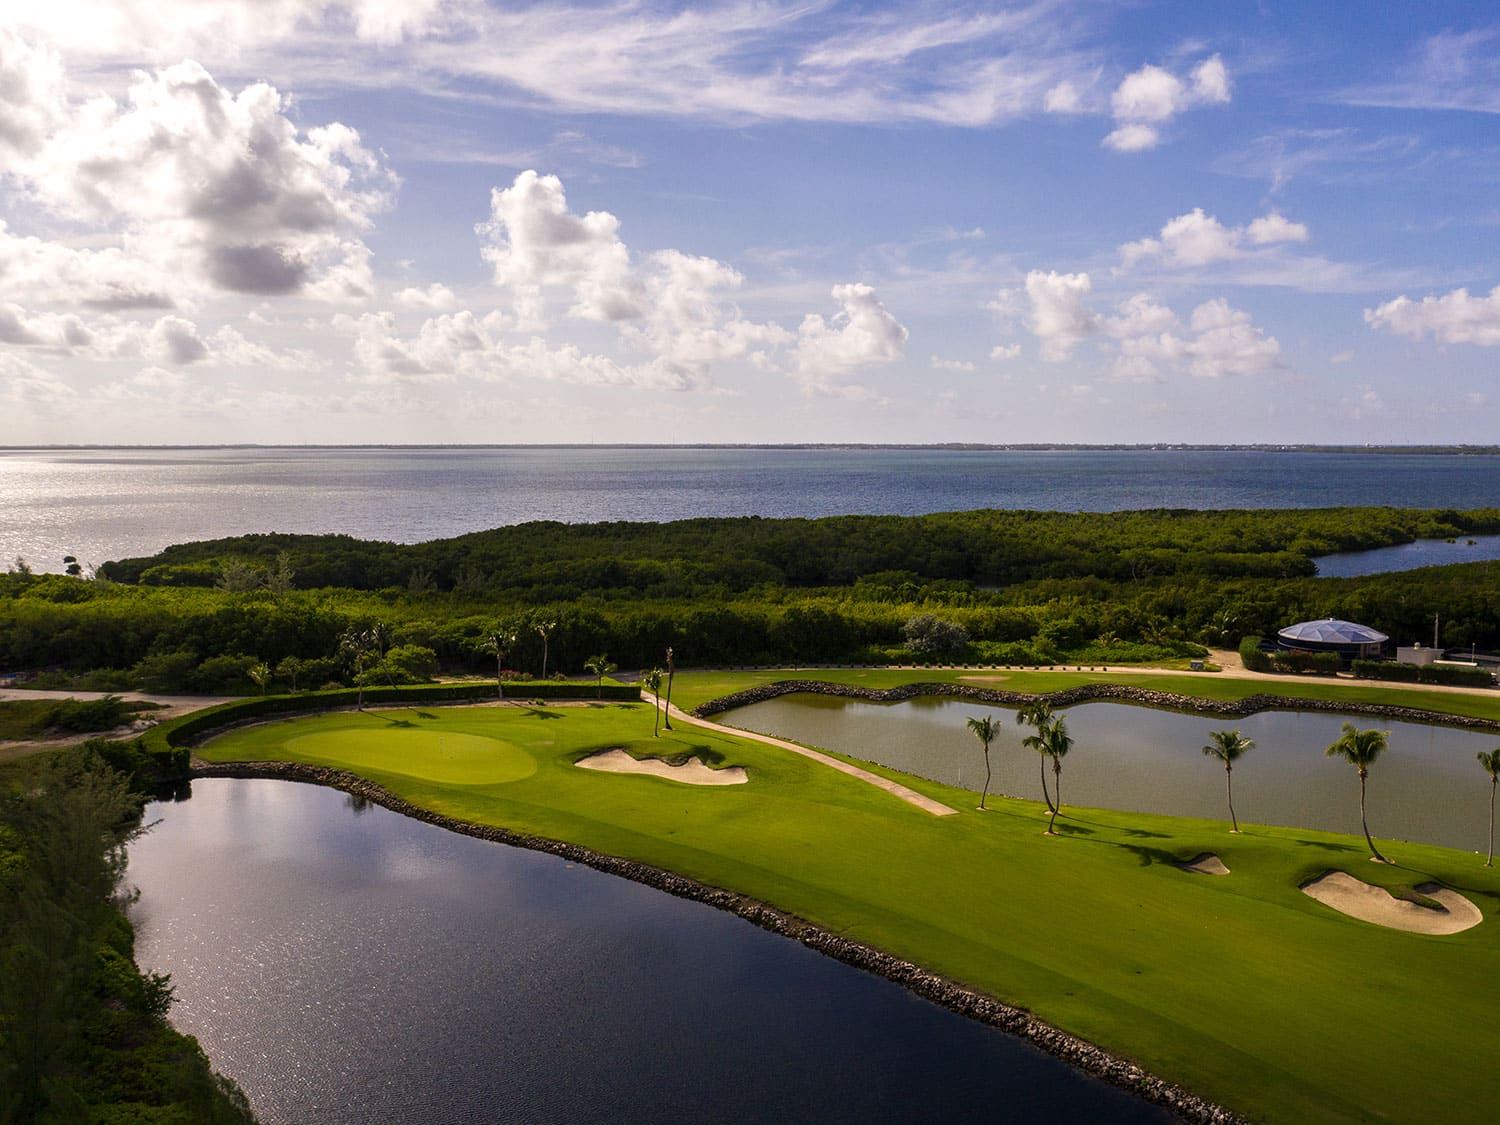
(939, 989)
(1084, 693)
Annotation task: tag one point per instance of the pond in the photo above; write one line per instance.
(344, 963)
(1409, 556)
(1426, 787)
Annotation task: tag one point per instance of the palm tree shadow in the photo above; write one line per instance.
(539, 713)
(1328, 845)
(1148, 855)
(1064, 828)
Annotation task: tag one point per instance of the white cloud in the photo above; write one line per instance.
(1149, 98)
(1454, 318)
(861, 335)
(1144, 335)
(536, 244)
(1059, 318)
(1340, 357)
(1197, 239)
(435, 296)
(940, 364)
(201, 189)
(1005, 351)
(1063, 98)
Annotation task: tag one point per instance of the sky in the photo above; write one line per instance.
(467, 221)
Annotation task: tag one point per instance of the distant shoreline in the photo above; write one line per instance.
(959, 447)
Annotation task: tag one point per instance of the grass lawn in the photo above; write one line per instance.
(1240, 987)
(690, 689)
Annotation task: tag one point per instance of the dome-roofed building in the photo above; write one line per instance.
(1350, 640)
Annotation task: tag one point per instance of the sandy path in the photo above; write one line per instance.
(1359, 899)
(910, 796)
(173, 706)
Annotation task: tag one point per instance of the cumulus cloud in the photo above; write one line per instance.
(940, 364)
(536, 244)
(1059, 317)
(1147, 99)
(1005, 351)
(1453, 318)
(1145, 336)
(1197, 239)
(435, 296)
(861, 335)
(201, 188)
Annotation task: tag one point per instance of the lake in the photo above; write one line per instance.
(345, 963)
(101, 504)
(1427, 786)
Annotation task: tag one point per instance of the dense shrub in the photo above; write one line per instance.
(1318, 663)
(928, 634)
(1252, 657)
(1423, 673)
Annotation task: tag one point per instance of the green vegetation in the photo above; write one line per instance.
(1234, 986)
(83, 1034)
(34, 718)
(1360, 748)
(999, 588)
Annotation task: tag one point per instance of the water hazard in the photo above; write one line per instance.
(349, 964)
(1427, 787)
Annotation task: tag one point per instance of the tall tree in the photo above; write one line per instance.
(601, 666)
(500, 640)
(1360, 748)
(354, 644)
(544, 630)
(1038, 714)
(651, 678)
(1490, 760)
(671, 671)
(260, 676)
(1228, 746)
(985, 729)
(1058, 743)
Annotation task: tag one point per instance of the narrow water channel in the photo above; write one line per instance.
(1427, 787)
(344, 963)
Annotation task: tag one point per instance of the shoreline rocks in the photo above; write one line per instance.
(1087, 693)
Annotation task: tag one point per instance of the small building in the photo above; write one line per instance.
(1350, 640)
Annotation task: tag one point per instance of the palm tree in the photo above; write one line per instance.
(652, 679)
(985, 730)
(260, 676)
(354, 643)
(1228, 746)
(1490, 760)
(543, 630)
(671, 671)
(600, 666)
(1058, 745)
(1360, 748)
(500, 640)
(1038, 714)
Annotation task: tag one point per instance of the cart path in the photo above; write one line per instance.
(895, 788)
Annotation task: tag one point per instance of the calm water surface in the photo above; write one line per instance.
(1427, 786)
(101, 504)
(354, 965)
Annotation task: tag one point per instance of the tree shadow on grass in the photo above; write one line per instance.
(540, 713)
(1327, 845)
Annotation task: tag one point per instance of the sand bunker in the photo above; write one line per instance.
(1358, 899)
(1205, 864)
(692, 771)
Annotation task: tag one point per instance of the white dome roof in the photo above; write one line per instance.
(1331, 631)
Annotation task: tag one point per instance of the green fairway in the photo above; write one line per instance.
(1240, 987)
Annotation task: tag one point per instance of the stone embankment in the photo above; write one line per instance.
(1084, 693)
(932, 986)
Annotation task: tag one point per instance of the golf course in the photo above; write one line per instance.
(1239, 987)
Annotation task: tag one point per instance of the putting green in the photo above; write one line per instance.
(449, 757)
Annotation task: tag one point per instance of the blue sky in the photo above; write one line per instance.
(392, 221)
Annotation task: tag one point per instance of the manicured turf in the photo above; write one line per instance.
(1240, 987)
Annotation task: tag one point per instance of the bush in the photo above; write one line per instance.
(1251, 655)
(84, 716)
(1423, 673)
(416, 662)
(926, 633)
(1318, 663)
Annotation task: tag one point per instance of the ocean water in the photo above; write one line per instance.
(101, 504)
